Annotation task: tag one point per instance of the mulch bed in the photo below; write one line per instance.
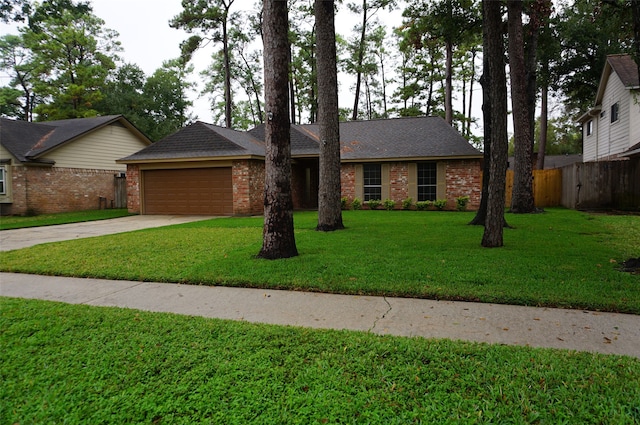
(632, 265)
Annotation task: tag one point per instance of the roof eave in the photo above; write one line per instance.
(187, 159)
(589, 114)
(411, 158)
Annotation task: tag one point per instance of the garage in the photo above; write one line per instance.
(191, 191)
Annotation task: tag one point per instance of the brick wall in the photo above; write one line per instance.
(248, 187)
(399, 182)
(37, 190)
(464, 178)
(348, 181)
(133, 189)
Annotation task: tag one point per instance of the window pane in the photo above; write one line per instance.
(372, 181)
(2, 181)
(371, 192)
(427, 181)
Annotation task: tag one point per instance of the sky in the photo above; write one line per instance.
(147, 40)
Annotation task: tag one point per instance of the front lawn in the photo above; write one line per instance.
(561, 258)
(76, 364)
(17, 222)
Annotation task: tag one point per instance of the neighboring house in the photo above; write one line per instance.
(611, 129)
(205, 169)
(61, 166)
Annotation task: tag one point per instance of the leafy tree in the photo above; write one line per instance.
(303, 89)
(166, 98)
(245, 75)
(563, 137)
(124, 94)
(17, 99)
(14, 10)
(589, 30)
(367, 9)
(73, 54)
(450, 22)
(329, 206)
(209, 19)
(10, 105)
(419, 71)
(278, 240)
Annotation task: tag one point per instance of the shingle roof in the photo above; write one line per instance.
(417, 137)
(412, 137)
(200, 140)
(626, 68)
(303, 143)
(29, 141)
(18, 137)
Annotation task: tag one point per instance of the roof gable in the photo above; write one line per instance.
(29, 141)
(199, 140)
(625, 68)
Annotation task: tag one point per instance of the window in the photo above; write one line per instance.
(589, 127)
(427, 181)
(372, 181)
(614, 112)
(3, 180)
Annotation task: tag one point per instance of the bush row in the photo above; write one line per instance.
(407, 204)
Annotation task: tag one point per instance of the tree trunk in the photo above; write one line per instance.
(473, 77)
(635, 13)
(544, 121)
(448, 104)
(522, 196)
(494, 221)
(329, 207)
(227, 75)
(485, 81)
(292, 92)
(363, 35)
(278, 235)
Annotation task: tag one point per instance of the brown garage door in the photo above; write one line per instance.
(197, 191)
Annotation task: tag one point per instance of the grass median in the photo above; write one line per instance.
(561, 258)
(18, 222)
(80, 364)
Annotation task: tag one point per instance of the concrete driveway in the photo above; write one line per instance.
(22, 238)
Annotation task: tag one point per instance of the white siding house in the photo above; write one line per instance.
(611, 129)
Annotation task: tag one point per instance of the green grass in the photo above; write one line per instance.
(16, 222)
(561, 258)
(79, 365)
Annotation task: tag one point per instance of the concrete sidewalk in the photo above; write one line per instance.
(23, 238)
(608, 333)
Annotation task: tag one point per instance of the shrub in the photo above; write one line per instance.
(389, 204)
(343, 202)
(440, 204)
(461, 203)
(407, 203)
(423, 205)
(374, 204)
(356, 204)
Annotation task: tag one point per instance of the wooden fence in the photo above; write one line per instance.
(120, 191)
(547, 187)
(602, 185)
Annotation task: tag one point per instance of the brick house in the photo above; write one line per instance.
(206, 169)
(66, 165)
